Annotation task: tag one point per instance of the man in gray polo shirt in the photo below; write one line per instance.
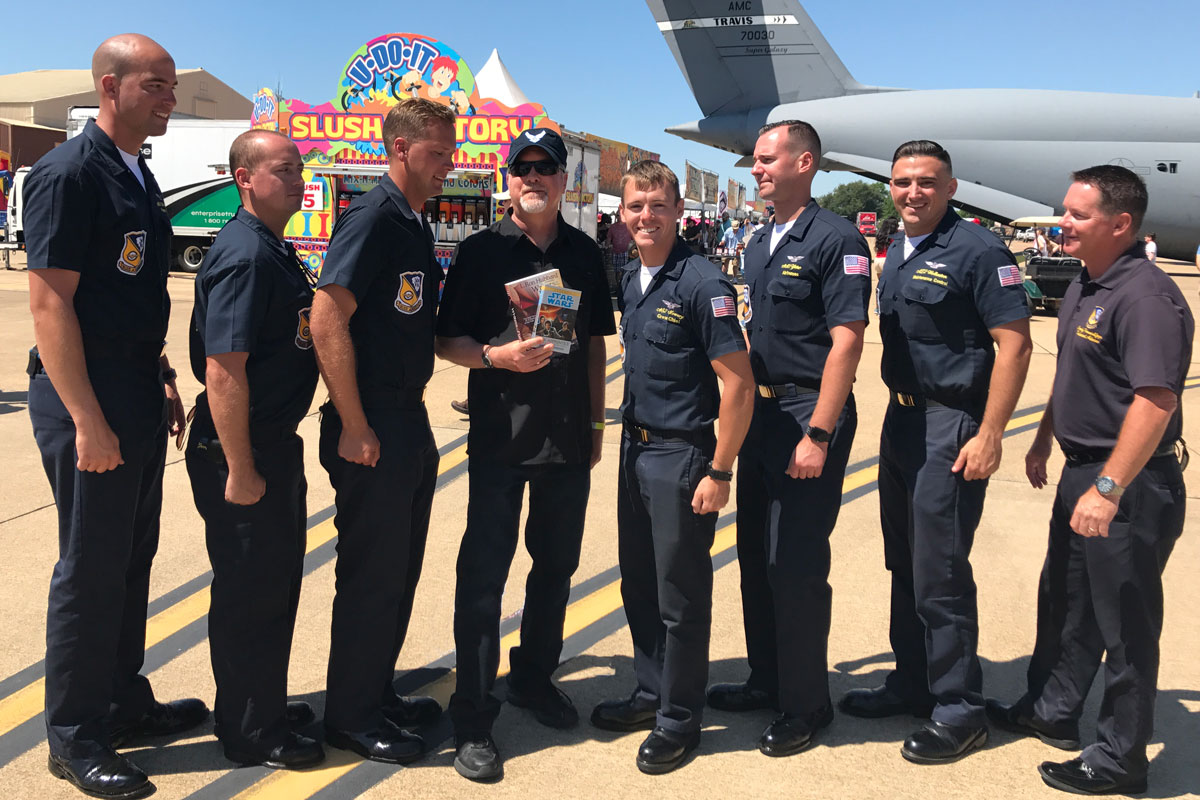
(1124, 345)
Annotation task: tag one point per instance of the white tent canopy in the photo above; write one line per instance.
(495, 81)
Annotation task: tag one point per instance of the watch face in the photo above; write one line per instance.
(1105, 485)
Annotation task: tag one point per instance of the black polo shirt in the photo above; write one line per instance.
(937, 307)
(383, 253)
(686, 318)
(1130, 329)
(252, 296)
(818, 277)
(86, 212)
(541, 417)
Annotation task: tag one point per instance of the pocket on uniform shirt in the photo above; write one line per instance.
(790, 311)
(921, 312)
(668, 354)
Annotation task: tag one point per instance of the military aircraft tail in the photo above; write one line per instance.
(742, 54)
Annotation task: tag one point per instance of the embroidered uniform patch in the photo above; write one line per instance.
(303, 331)
(133, 253)
(1010, 275)
(856, 265)
(724, 307)
(409, 298)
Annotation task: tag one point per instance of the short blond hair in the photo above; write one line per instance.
(410, 120)
(647, 175)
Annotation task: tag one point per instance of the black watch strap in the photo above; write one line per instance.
(818, 435)
(718, 475)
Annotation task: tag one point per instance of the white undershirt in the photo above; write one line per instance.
(647, 275)
(779, 232)
(134, 167)
(911, 243)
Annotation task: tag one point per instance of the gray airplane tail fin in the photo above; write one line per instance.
(744, 54)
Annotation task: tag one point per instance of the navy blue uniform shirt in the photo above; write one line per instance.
(87, 213)
(541, 417)
(818, 277)
(252, 296)
(383, 253)
(936, 309)
(1130, 329)
(686, 318)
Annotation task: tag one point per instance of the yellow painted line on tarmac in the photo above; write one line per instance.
(613, 368)
(24, 704)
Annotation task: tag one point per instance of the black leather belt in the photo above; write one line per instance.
(115, 348)
(776, 390)
(393, 398)
(915, 401)
(645, 435)
(1098, 455)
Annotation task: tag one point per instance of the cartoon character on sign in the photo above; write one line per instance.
(442, 74)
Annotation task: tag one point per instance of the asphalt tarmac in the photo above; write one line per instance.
(853, 758)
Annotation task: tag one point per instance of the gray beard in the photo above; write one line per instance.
(532, 203)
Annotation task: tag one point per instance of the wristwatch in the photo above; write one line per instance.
(1109, 488)
(818, 435)
(718, 475)
(487, 361)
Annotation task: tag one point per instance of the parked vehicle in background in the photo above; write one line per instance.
(14, 232)
(866, 223)
(1046, 277)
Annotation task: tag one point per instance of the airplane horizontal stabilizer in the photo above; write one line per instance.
(974, 197)
(742, 54)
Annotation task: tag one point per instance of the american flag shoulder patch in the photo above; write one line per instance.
(1010, 275)
(856, 265)
(724, 306)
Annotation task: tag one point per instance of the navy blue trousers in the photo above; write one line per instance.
(1102, 598)
(107, 537)
(783, 529)
(382, 523)
(257, 556)
(666, 575)
(929, 516)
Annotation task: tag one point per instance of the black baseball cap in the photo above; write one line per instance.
(544, 138)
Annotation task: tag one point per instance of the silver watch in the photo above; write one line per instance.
(1109, 488)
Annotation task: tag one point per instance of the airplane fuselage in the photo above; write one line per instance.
(1021, 142)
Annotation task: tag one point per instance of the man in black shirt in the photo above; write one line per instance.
(372, 324)
(537, 419)
(1124, 346)
(252, 351)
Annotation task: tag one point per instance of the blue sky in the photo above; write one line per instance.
(604, 67)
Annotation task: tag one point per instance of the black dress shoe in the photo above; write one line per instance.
(461, 406)
(664, 750)
(296, 752)
(163, 719)
(107, 775)
(388, 744)
(549, 704)
(1016, 720)
(413, 712)
(476, 758)
(939, 743)
(789, 734)
(1078, 777)
(881, 702)
(740, 697)
(624, 715)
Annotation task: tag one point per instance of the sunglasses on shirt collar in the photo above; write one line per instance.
(523, 168)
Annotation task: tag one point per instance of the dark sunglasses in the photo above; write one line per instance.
(523, 168)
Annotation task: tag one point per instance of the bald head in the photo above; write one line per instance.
(125, 53)
(252, 147)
